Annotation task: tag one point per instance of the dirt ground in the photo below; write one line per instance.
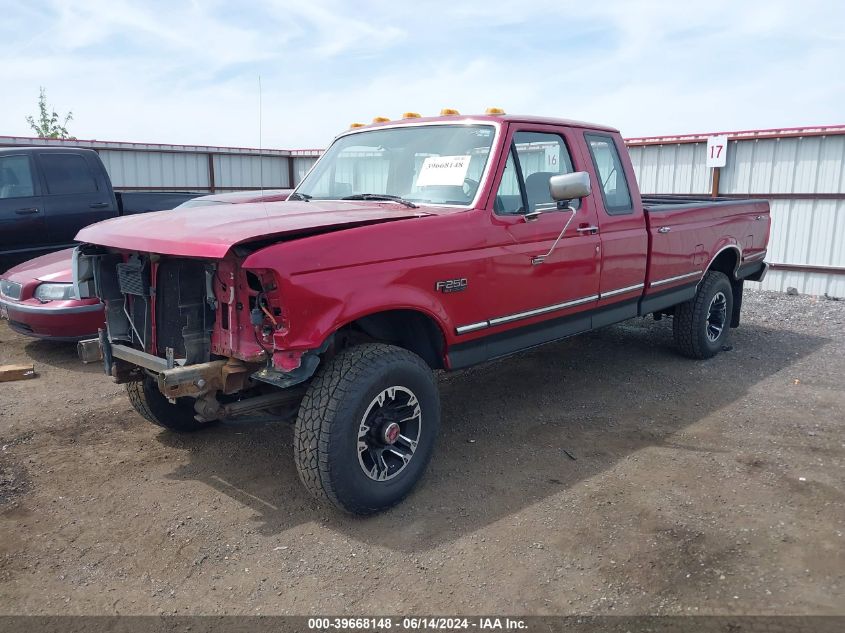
(604, 474)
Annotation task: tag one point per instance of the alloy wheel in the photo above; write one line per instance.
(389, 433)
(717, 316)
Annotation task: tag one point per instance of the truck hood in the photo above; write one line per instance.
(211, 231)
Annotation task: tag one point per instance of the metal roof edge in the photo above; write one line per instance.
(737, 135)
(24, 141)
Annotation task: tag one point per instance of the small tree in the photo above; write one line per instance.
(47, 125)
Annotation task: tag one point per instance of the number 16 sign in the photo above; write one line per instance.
(717, 151)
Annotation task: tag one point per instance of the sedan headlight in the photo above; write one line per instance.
(50, 292)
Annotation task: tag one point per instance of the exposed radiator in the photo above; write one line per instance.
(133, 278)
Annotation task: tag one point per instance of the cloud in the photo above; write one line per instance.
(187, 72)
(329, 29)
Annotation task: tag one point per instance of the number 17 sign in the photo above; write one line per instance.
(717, 151)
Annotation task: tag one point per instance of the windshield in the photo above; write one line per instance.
(435, 164)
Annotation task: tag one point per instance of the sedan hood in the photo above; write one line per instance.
(211, 231)
(55, 267)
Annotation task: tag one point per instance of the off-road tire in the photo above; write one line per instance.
(147, 400)
(691, 317)
(327, 426)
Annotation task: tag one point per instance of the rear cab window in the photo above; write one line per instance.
(67, 174)
(16, 177)
(611, 174)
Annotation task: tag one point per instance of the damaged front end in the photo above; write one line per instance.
(201, 329)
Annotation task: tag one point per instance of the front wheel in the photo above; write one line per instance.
(178, 417)
(366, 428)
(701, 325)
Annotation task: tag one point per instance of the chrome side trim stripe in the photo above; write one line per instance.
(472, 327)
(530, 313)
(669, 280)
(620, 291)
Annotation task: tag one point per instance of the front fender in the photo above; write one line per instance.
(326, 313)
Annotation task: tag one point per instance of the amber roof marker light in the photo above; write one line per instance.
(411, 115)
(494, 111)
(380, 119)
(354, 125)
(449, 112)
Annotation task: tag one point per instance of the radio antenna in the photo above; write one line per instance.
(260, 140)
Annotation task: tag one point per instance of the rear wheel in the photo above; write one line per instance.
(701, 325)
(147, 400)
(366, 428)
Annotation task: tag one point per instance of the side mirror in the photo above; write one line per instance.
(565, 187)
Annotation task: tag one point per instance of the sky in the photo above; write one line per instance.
(188, 72)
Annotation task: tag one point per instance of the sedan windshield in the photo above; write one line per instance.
(434, 164)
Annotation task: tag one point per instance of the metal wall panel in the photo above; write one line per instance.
(271, 172)
(790, 165)
(807, 230)
(182, 170)
(677, 168)
(186, 167)
(301, 166)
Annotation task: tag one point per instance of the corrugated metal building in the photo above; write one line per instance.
(157, 167)
(801, 171)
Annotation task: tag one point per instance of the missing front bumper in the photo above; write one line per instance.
(125, 363)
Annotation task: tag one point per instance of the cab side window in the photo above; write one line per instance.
(538, 157)
(67, 174)
(614, 186)
(541, 156)
(15, 177)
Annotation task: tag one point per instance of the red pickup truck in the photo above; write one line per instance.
(413, 245)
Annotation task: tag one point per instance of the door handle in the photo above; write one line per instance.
(664, 229)
(592, 230)
(27, 210)
(760, 217)
(98, 205)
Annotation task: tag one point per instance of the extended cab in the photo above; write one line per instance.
(411, 246)
(48, 193)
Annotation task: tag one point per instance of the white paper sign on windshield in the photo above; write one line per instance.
(443, 170)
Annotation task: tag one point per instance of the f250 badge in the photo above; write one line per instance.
(451, 285)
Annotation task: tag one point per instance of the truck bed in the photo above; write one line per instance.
(687, 233)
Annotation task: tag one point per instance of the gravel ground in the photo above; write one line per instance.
(604, 474)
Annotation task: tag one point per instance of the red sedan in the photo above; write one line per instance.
(36, 297)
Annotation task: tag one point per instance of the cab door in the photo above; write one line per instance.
(76, 193)
(547, 267)
(22, 226)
